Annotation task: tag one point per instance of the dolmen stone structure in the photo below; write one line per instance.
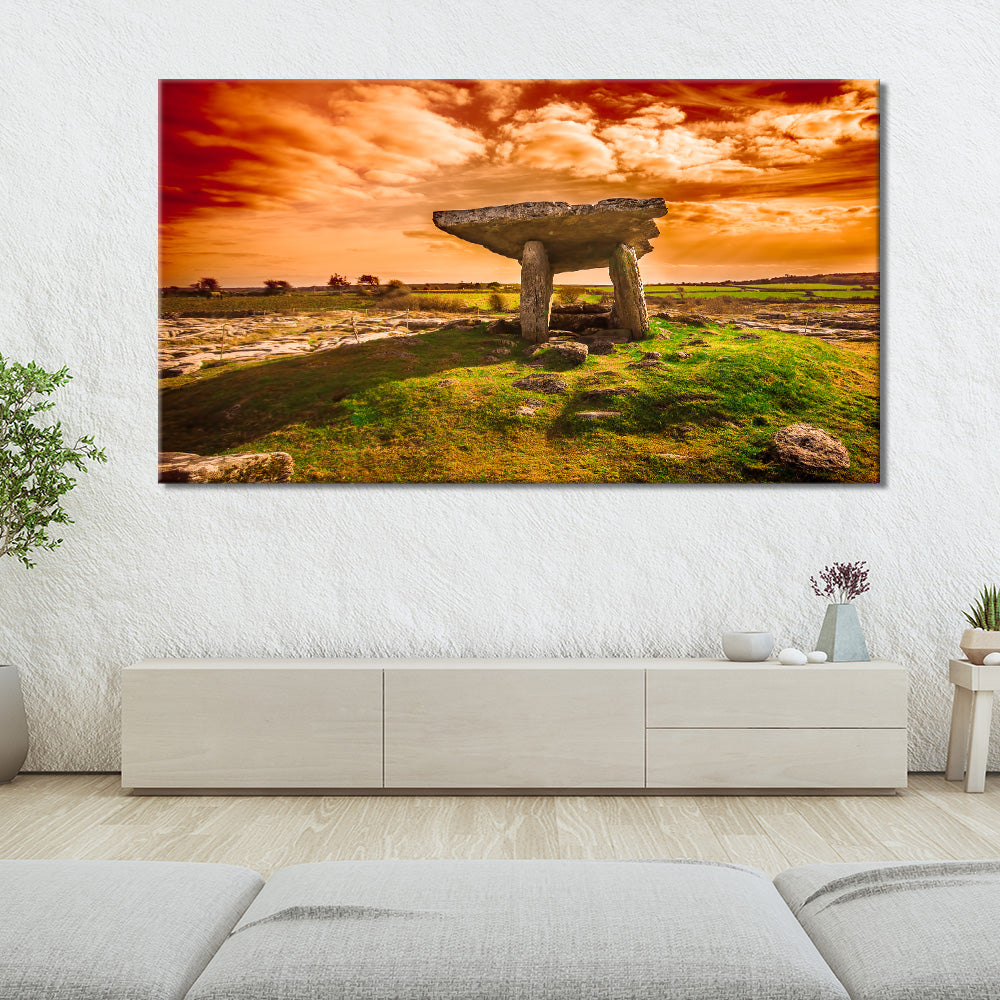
(549, 237)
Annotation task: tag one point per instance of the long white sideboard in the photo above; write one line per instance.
(525, 724)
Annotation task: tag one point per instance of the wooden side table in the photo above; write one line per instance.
(971, 714)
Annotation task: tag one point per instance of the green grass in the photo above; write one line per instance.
(252, 305)
(375, 412)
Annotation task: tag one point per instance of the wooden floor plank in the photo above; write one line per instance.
(741, 835)
(88, 816)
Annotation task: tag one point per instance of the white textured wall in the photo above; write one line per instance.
(482, 570)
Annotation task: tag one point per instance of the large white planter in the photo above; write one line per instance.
(13, 724)
(978, 643)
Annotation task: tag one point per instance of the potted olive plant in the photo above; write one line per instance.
(33, 480)
(984, 636)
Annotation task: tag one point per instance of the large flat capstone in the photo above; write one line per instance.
(576, 237)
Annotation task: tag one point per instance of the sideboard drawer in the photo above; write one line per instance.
(719, 694)
(776, 758)
(510, 728)
(250, 724)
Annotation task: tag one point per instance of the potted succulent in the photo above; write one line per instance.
(984, 636)
(841, 637)
(33, 480)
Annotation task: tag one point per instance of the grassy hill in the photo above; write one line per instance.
(439, 407)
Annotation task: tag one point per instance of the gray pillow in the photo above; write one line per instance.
(903, 931)
(114, 930)
(517, 930)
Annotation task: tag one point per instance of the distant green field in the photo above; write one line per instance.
(468, 300)
(785, 292)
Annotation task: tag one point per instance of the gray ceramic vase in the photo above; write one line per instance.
(841, 637)
(13, 725)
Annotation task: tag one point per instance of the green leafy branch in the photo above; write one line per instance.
(33, 460)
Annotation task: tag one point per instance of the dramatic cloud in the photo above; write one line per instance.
(561, 145)
(305, 176)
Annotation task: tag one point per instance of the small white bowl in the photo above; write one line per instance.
(747, 647)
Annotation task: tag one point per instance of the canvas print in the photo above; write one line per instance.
(519, 281)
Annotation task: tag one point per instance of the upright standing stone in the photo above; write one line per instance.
(536, 292)
(630, 302)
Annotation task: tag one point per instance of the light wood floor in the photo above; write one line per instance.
(88, 816)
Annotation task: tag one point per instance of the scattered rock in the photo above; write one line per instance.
(696, 397)
(459, 324)
(601, 347)
(682, 355)
(617, 334)
(673, 456)
(180, 368)
(505, 327)
(810, 448)
(596, 395)
(445, 382)
(694, 343)
(646, 364)
(571, 351)
(423, 324)
(529, 408)
(543, 383)
(749, 336)
(652, 356)
(262, 467)
(598, 414)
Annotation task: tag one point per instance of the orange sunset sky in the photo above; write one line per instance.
(297, 179)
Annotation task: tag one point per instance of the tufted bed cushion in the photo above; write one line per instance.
(114, 930)
(518, 930)
(903, 931)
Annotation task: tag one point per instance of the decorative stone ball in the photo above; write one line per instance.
(816, 656)
(991, 659)
(792, 657)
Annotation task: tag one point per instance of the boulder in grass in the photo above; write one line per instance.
(596, 395)
(254, 467)
(601, 347)
(542, 383)
(177, 368)
(811, 449)
(571, 351)
(529, 408)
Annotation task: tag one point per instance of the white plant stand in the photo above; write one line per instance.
(971, 715)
